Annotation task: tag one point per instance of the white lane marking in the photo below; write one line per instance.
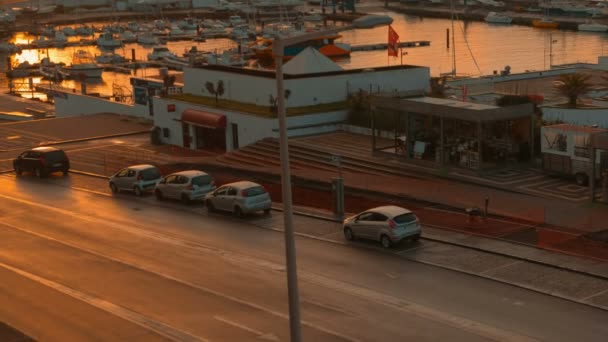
(224, 254)
(594, 295)
(259, 334)
(160, 328)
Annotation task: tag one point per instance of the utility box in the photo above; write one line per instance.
(337, 190)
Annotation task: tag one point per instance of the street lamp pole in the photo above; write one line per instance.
(278, 46)
(290, 245)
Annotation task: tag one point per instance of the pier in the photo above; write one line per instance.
(384, 46)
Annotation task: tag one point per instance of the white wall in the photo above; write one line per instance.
(577, 116)
(204, 3)
(305, 91)
(78, 104)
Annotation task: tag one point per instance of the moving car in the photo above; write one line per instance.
(240, 198)
(42, 161)
(187, 186)
(388, 224)
(137, 178)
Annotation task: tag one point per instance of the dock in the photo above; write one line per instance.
(384, 46)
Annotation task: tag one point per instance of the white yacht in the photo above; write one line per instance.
(216, 30)
(160, 52)
(69, 31)
(127, 36)
(147, 38)
(592, 27)
(242, 31)
(83, 65)
(106, 40)
(188, 24)
(498, 18)
(235, 20)
(110, 58)
(85, 30)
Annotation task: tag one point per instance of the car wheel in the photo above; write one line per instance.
(415, 238)
(159, 195)
(137, 191)
(210, 206)
(38, 173)
(113, 188)
(267, 211)
(385, 241)
(185, 199)
(238, 212)
(65, 172)
(18, 170)
(581, 179)
(348, 234)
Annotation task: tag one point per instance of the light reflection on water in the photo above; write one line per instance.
(493, 47)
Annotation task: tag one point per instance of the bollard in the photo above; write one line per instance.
(337, 186)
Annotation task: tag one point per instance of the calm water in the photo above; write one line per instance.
(480, 49)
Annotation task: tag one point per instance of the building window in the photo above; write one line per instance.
(165, 132)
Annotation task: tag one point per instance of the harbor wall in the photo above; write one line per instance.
(71, 104)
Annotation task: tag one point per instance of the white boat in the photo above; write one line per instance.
(227, 58)
(498, 18)
(161, 24)
(188, 24)
(83, 65)
(9, 47)
(133, 26)
(147, 38)
(127, 37)
(160, 52)
(85, 30)
(235, 20)
(107, 41)
(53, 72)
(593, 27)
(215, 31)
(313, 16)
(242, 31)
(69, 31)
(174, 30)
(110, 58)
(372, 20)
(59, 39)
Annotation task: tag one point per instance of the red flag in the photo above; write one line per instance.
(393, 38)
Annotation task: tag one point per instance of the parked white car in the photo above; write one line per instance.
(240, 198)
(137, 178)
(388, 224)
(187, 186)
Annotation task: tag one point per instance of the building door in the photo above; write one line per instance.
(235, 136)
(186, 134)
(210, 138)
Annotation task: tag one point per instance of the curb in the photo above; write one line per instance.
(479, 249)
(51, 143)
(90, 174)
(455, 269)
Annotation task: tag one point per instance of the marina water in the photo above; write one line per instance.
(480, 49)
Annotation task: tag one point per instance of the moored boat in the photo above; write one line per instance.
(83, 65)
(498, 18)
(593, 27)
(545, 23)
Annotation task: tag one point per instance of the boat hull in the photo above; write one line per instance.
(87, 72)
(544, 24)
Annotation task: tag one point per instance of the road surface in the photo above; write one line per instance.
(78, 265)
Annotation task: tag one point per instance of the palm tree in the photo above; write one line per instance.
(573, 86)
(274, 101)
(215, 90)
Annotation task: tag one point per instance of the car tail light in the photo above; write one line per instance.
(244, 193)
(41, 159)
(140, 177)
(190, 187)
(392, 224)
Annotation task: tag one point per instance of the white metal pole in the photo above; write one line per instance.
(290, 246)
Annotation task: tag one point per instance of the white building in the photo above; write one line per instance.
(317, 87)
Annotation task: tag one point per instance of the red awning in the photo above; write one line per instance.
(204, 119)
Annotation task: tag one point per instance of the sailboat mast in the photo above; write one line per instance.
(453, 40)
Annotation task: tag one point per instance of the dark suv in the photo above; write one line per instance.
(42, 161)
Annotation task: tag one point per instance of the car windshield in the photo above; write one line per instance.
(405, 218)
(150, 174)
(201, 180)
(255, 191)
(55, 156)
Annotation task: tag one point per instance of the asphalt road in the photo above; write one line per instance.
(76, 265)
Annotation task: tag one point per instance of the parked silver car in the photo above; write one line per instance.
(137, 178)
(239, 198)
(187, 186)
(387, 224)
